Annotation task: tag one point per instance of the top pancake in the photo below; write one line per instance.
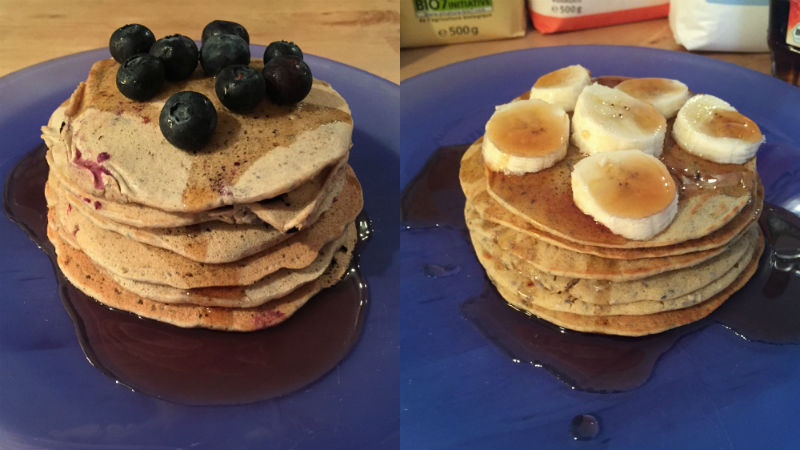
(710, 195)
(472, 175)
(251, 157)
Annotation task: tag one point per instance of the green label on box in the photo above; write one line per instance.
(429, 8)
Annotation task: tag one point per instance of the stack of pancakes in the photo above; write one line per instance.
(235, 236)
(551, 260)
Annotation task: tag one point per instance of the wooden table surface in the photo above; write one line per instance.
(360, 33)
(650, 33)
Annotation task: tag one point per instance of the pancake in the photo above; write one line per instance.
(208, 242)
(141, 262)
(706, 283)
(111, 147)
(545, 200)
(301, 207)
(272, 286)
(294, 209)
(473, 181)
(558, 261)
(665, 286)
(637, 325)
(82, 273)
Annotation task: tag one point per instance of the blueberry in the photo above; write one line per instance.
(288, 79)
(179, 55)
(223, 50)
(140, 77)
(240, 87)
(188, 120)
(218, 27)
(130, 40)
(281, 48)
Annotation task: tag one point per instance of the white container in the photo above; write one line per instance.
(720, 25)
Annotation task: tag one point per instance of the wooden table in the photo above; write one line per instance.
(360, 33)
(650, 33)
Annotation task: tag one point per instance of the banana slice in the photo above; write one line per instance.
(665, 94)
(710, 128)
(562, 87)
(607, 119)
(628, 191)
(525, 136)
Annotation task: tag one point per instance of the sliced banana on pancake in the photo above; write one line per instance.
(562, 87)
(525, 136)
(630, 192)
(711, 128)
(665, 94)
(608, 119)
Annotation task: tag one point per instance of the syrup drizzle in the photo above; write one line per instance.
(765, 310)
(198, 366)
(584, 427)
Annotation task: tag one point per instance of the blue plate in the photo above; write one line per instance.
(51, 397)
(458, 390)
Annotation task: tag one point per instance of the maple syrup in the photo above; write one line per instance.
(647, 117)
(725, 123)
(783, 39)
(553, 78)
(697, 176)
(584, 427)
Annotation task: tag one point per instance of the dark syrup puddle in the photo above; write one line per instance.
(766, 309)
(198, 366)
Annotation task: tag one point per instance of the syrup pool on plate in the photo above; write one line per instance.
(198, 366)
(765, 310)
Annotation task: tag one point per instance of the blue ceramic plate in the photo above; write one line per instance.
(51, 397)
(459, 390)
